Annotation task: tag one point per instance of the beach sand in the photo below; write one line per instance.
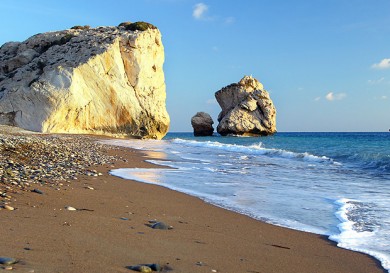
(45, 237)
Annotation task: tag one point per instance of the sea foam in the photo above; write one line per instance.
(356, 237)
(254, 149)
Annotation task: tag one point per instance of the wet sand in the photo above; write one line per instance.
(109, 232)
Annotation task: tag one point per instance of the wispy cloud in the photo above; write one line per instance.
(381, 97)
(331, 96)
(377, 81)
(383, 64)
(199, 12)
(230, 20)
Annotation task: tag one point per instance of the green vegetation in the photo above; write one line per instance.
(64, 39)
(81, 27)
(141, 26)
(124, 24)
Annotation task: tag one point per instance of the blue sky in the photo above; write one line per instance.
(326, 63)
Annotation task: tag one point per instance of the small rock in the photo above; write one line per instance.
(161, 225)
(89, 188)
(70, 208)
(8, 267)
(37, 191)
(8, 207)
(141, 268)
(154, 267)
(7, 261)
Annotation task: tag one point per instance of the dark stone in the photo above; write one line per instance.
(160, 225)
(154, 267)
(140, 268)
(7, 261)
(37, 191)
(202, 123)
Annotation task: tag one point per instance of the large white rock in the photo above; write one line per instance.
(246, 109)
(106, 80)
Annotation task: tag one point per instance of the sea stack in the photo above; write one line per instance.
(247, 109)
(202, 123)
(105, 80)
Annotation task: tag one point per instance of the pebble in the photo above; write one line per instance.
(37, 191)
(8, 207)
(154, 267)
(70, 208)
(7, 261)
(89, 188)
(141, 268)
(46, 160)
(161, 225)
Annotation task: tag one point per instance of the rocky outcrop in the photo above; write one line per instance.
(105, 80)
(202, 123)
(246, 109)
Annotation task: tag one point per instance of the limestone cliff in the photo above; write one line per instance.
(247, 109)
(105, 80)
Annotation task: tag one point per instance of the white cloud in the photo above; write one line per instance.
(335, 96)
(384, 64)
(230, 20)
(378, 81)
(384, 97)
(317, 98)
(200, 10)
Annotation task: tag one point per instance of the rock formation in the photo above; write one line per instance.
(246, 109)
(202, 124)
(105, 80)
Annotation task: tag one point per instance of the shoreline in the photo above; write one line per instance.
(109, 231)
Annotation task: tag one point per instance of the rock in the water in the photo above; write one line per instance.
(246, 109)
(105, 80)
(202, 124)
(7, 261)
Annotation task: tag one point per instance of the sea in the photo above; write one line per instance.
(334, 184)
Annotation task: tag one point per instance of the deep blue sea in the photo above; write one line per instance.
(335, 184)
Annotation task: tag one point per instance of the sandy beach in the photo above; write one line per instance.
(110, 231)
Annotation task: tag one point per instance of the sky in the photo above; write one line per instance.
(325, 63)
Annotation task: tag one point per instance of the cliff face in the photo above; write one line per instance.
(106, 80)
(247, 109)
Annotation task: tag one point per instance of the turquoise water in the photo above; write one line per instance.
(336, 184)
